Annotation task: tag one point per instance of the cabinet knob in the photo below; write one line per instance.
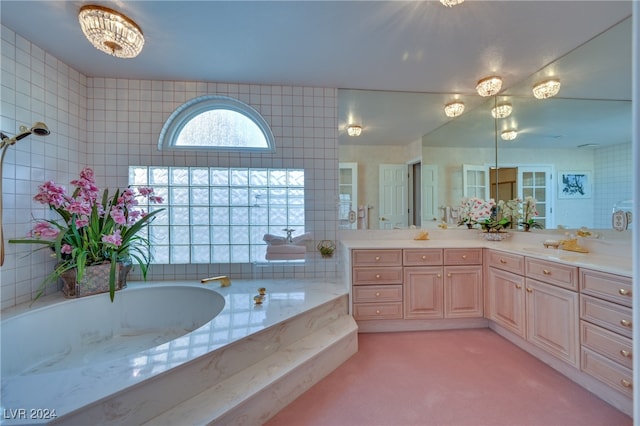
(626, 323)
(377, 275)
(503, 261)
(624, 292)
(439, 275)
(449, 274)
(546, 272)
(625, 353)
(377, 258)
(377, 294)
(377, 311)
(464, 256)
(529, 290)
(518, 286)
(626, 383)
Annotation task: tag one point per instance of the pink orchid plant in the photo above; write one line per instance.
(93, 230)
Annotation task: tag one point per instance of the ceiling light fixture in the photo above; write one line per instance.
(454, 109)
(509, 135)
(110, 31)
(451, 3)
(489, 86)
(546, 89)
(501, 110)
(353, 130)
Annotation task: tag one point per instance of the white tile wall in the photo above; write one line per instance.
(110, 123)
(613, 177)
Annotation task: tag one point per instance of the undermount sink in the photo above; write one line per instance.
(556, 253)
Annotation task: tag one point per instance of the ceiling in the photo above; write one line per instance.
(412, 46)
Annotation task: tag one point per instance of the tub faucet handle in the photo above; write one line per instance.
(224, 280)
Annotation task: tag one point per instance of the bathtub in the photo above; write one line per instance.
(91, 330)
(157, 346)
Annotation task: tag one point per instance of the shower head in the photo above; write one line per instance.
(38, 128)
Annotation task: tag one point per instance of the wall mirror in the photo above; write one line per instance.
(583, 133)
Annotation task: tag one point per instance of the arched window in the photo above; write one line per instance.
(214, 122)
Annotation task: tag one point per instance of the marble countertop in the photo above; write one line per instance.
(69, 389)
(614, 264)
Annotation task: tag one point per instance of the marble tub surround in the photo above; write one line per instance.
(611, 252)
(136, 388)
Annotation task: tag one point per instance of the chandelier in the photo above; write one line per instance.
(489, 86)
(509, 135)
(454, 109)
(353, 130)
(546, 89)
(451, 3)
(501, 110)
(110, 31)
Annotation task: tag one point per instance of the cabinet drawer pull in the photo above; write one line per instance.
(449, 274)
(439, 275)
(626, 323)
(626, 383)
(625, 353)
(377, 258)
(529, 290)
(377, 311)
(464, 257)
(377, 275)
(518, 286)
(503, 261)
(624, 292)
(377, 294)
(424, 257)
(546, 272)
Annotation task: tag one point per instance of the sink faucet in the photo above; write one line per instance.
(224, 280)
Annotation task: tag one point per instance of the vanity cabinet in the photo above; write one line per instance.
(450, 288)
(531, 298)
(606, 329)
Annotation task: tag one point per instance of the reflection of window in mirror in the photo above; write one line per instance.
(474, 181)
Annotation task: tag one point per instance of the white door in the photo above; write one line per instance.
(537, 182)
(393, 196)
(429, 193)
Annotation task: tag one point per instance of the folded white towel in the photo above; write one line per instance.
(286, 249)
(274, 239)
(300, 239)
(284, 256)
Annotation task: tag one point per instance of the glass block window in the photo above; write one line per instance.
(215, 122)
(219, 214)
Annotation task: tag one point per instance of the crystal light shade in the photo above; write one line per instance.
(501, 110)
(509, 135)
(110, 31)
(489, 86)
(546, 89)
(454, 109)
(353, 130)
(451, 3)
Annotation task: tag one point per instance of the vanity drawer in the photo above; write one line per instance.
(377, 257)
(463, 256)
(614, 288)
(366, 276)
(422, 257)
(377, 293)
(553, 273)
(606, 343)
(370, 311)
(607, 371)
(606, 314)
(506, 261)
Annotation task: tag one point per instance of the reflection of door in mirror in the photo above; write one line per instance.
(348, 191)
(393, 191)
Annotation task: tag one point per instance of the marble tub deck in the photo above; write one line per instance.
(140, 387)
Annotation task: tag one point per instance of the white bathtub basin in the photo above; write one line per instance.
(91, 329)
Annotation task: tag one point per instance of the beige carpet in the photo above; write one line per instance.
(458, 377)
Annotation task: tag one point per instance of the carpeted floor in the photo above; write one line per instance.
(457, 377)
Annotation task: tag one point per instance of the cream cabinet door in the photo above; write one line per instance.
(506, 300)
(552, 320)
(423, 292)
(463, 291)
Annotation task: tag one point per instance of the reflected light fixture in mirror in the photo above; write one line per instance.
(353, 130)
(501, 110)
(111, 32)
(546, 89)
(454, 109)
(451, 3)
(489, 86)
(509, 135)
